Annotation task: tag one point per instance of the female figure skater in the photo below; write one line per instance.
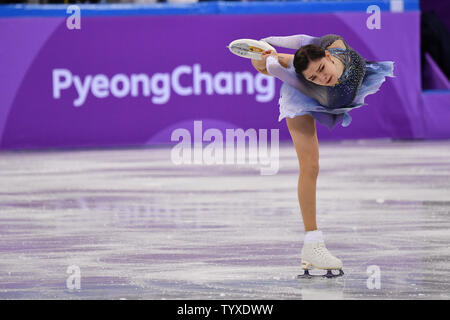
(324, 80)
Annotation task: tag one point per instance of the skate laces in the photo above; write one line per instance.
(322, 251)
(318, 256)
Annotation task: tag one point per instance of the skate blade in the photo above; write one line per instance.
(328, 275)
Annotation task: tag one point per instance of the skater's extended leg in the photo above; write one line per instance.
(304, 135)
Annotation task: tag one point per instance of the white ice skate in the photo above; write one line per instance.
(316, 256)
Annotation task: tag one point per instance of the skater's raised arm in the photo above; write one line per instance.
(300, 40)
(280, 66)
(274, 67)
(283, 61)
(292, 42)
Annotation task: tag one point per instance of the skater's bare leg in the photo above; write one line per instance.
(304, 135)
(315, 255)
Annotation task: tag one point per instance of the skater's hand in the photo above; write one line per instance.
(267, 53)
(260, 65)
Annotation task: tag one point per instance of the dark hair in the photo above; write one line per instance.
(305, 54)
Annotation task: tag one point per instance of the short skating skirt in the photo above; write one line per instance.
(294, 103)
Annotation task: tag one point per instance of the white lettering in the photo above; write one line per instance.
(199, 77)
(184, 81)
(213, 153)
(228, 87)
(58, 84)
(248, 77)
(176, 81)
(267, 91)
(82, 89)
(181, 152)
(99, 86)
(74, 21)
(140, 78)
(374, 20)
(161, 93)
(124, 89)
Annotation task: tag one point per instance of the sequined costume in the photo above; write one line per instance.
(328, 105)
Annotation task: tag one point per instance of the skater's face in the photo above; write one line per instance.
(322, 71)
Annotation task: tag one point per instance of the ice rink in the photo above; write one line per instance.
(129, 224)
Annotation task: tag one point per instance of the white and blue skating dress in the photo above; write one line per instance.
(328, 105)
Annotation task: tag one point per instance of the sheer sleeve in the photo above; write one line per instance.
(300, 40)
(274, 67)
(292, 42)
(288, 76)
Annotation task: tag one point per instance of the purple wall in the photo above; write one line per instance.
(163, 59)
(440, 7)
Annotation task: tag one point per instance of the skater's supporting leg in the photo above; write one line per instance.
(304, 135)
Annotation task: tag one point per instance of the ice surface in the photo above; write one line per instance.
(139, 227)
